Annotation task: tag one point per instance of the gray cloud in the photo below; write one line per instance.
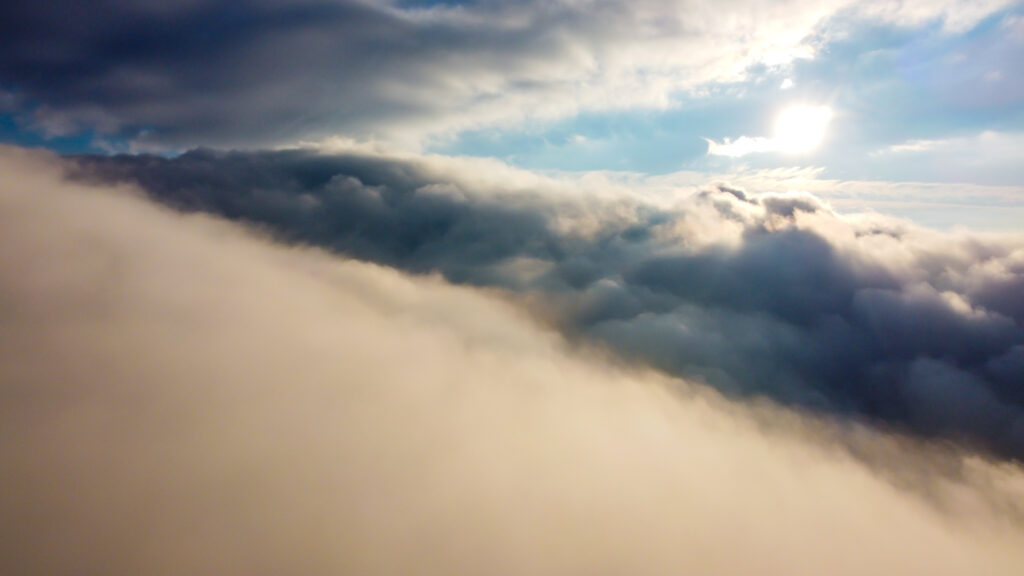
(178, 395)
(759, 295)
(253, 72)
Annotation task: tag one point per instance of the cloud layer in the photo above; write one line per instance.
(253, 72)
(772, 295)
(179, 396)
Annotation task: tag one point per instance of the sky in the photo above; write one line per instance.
(564, 286)
(918, 92)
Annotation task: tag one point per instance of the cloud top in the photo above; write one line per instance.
(766, 295)
(182, 396)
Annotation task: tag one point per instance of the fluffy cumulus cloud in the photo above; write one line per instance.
(178, 395)
(253, 72)
(764, 295)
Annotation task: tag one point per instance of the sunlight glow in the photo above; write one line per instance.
(801, 128)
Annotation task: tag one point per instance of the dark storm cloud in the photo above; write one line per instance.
(199, 69)
(759, 295)
(252, 73)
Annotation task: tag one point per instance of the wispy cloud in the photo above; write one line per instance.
(799, 129)
(986, 143)
(742, 146)
(987, 156)
(955, 16)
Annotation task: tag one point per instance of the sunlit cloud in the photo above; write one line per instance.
(645, 287)
(954, 15)
(963, 145)
(266, 74)
(988, 156)
(799, 129)
(181, 394)
(761, 292)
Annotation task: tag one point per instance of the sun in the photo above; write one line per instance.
(801, 128)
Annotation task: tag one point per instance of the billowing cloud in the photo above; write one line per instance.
(763, 295)
(180, 396)
(253, 72)
(934, 204)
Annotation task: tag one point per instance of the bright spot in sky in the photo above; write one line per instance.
(801, 128)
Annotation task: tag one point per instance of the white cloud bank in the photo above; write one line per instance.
(178, 396)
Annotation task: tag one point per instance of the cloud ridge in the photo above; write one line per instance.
(765, 295)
